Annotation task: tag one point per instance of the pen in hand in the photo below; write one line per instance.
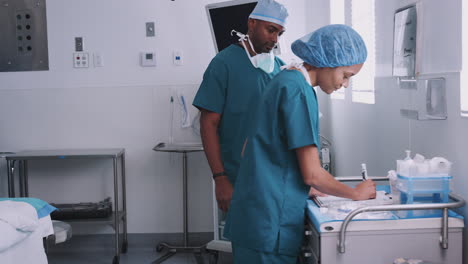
(364, 172)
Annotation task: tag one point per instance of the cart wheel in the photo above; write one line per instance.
(159, 248)
(115, 260)
(213, 257)
(124, 247)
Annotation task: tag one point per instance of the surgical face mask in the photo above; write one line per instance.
(263, 61)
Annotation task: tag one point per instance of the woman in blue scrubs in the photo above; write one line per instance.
(280, 158)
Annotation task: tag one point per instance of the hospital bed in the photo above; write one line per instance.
(419, 235)
(23, 229)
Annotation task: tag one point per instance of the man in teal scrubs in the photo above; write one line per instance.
(235, 78)
(280, 159)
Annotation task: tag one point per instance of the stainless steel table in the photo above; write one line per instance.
(172, 250)
(118, 217)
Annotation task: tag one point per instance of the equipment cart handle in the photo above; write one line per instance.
(457, 202)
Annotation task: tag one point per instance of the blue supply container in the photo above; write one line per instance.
(438, 186)
(423, 189)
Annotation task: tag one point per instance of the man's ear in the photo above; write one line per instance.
(251, 24)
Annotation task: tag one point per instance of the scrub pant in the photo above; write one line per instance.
(244, 255)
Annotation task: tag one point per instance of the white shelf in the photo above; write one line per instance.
(220, 245)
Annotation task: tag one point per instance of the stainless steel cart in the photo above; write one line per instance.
(432, 238)
(119, 215)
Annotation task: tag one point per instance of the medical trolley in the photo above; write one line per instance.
(422, 235)
(119, 214)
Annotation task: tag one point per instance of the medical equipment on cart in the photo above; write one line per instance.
(435, 239)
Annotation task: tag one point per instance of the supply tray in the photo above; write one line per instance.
(424, 184)
(100, 209)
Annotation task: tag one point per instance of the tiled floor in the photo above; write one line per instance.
(133, 256)
(98, 249)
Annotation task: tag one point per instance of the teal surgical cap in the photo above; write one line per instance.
(271, 11)
(331, 46)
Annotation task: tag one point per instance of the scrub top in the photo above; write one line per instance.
(229, 84)
(269, 200)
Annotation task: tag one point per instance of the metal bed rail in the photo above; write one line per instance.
(458, 202)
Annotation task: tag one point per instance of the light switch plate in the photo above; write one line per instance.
(178, 57)
(78, 44)
(150, 29)
(98, 60)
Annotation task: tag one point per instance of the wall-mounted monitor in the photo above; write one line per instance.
(224, 17)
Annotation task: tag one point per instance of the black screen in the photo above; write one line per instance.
(225, 19)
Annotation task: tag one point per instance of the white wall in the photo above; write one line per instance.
(120, 105)
(377, 134)
(317, 13)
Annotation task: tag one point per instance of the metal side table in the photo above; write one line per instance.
(172, 250)
(118, 217)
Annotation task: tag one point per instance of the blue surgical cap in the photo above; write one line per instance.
(331, 46)
(271, 11)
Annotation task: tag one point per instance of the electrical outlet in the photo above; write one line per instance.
(81, 60)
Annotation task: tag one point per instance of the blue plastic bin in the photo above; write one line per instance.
(423, 189)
